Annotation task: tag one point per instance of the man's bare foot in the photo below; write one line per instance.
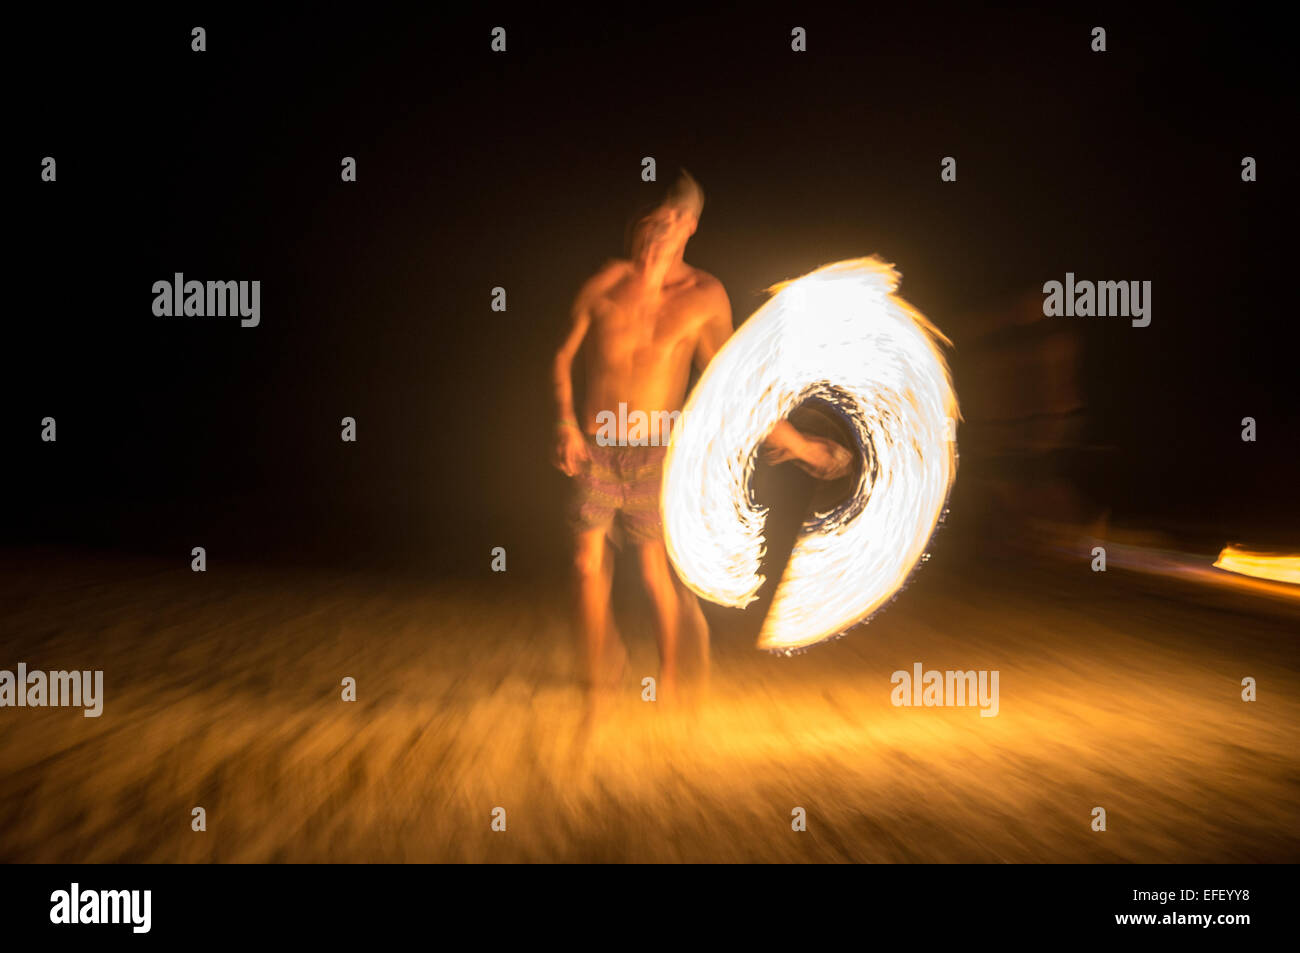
(703, 681)
(599, 701)
(615, 667)
(666, 691)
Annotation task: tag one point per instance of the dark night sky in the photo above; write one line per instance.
(478, 170)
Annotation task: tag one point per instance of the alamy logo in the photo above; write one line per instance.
(103, 906)
(52, 689)
(199, 299)
(1086, 299)
(946, 689)
(637, 429)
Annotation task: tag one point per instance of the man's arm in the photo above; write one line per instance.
(570, 445)
(562, 368)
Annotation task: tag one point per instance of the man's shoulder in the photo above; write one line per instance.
(608, 274)
(611, 269)
(705, 283)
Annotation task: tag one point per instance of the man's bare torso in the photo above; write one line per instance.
(640, 343)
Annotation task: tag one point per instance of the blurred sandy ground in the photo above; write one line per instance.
(222, 690)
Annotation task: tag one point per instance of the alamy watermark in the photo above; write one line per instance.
(636, 429)
(199, 299)
(38, 689)
(1085, 299)
(946, 689)
(134, 907)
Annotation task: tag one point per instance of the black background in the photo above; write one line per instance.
(372, 902)
(478, 169)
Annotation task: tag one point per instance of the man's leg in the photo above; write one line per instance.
(615, 649)
(659, 583)
(590, 510)
(694, 628)
(593, 573)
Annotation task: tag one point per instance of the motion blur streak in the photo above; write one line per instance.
(1260, 565)
(839, 334)
(226, 696)
(1190, 567)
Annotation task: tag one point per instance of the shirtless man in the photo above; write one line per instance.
(644, 321)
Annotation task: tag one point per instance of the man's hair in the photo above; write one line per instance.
(684, 194)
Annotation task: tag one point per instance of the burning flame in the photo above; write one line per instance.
(838, 333)
(1261, 565)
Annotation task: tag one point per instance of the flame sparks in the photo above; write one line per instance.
(838, 333)
(1281, 568)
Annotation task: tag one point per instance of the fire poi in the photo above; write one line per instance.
(840, 334)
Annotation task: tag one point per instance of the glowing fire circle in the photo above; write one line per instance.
(841, 334)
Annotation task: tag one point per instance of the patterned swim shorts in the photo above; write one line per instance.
(619, 481)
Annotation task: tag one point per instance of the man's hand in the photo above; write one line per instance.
(571, 451)
(816, 456)
(824, 459)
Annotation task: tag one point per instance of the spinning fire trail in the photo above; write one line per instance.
(840, 334)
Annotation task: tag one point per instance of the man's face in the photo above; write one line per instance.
(662, 234)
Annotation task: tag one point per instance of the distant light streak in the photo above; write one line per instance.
(838, 333)
(1280, 568)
